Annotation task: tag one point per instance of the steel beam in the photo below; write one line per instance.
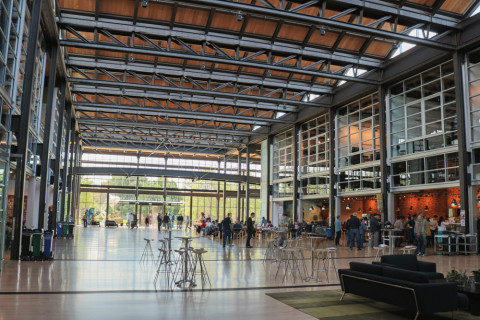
(315, 20)
(128, 124)
(202, 75)
(157, 140)
(211, 59)
(248, 42)
(152, 148)
(165, 173)
(175, 113)
(406, 15)
(47, 135)
(384, 168)
(173, 97)
(23, 132)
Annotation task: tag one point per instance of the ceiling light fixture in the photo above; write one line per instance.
(144, 3)
(323, 31)
(239, 16)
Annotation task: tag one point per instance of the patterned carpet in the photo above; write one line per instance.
(326, 305)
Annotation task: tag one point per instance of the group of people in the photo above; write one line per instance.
(419, 230)
(167, 221)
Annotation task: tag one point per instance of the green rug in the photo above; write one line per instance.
(326, 305)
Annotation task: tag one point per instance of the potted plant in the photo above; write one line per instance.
(457, 276)
(476, 275)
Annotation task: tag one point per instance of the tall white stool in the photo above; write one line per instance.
(380, 251)
(408, 249)
(147, 254)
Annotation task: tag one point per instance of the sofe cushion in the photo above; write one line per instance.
(367, 268)
(405, 275)
(405, 261)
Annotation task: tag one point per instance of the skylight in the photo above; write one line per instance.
(417, 33)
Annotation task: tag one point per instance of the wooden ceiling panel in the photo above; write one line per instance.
(191, 16)
(379, 48)
(253, 70)
(280, 74)
(331, 13)
(456, 6)
(293, 32)
(327, 40)
(170, 61)
(79, 51)
(351, 43)
(261, 26)
(78, 5)
(291, 62)
(428, 3)
(225, 67)
(156, 11)
(111, 54)
(226, 21)
(117, 7)
(302, 77)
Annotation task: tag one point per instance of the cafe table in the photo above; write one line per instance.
(312, 244)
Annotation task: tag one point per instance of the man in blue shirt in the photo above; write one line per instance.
(338, 230)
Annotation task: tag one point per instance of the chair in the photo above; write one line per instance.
(164, 266)
(320, 256)
(147, 251)
(199, 262)
(408, 249)
(238, 232)
(330, 252)
(380, 251)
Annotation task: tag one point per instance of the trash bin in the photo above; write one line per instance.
(37, 243)
(47, 244)
(70, 229)
(59, 229)
(26, 242)
(64, 229)
(329, 233)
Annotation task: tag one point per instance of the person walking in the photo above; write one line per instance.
(361, 234)
(147, 222)
(338, 231)
(349, 232)
(398, 226)
(282, 228)
(159, 221)
(227, 230)
(421, 229)
(166, 221)
(187, 223)
(374, 231)
(250, 229)
(355, 232)
(179, 222)
(84, 218)
(410, 230)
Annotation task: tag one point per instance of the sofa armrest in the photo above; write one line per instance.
(426, 266)
(437, 297)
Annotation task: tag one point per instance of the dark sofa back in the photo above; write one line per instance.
(405, 261)
(405, 275)
(366, 268)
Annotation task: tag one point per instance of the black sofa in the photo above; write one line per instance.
(111, 223)
(407, 289)
(410, 262)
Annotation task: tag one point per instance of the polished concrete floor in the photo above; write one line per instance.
(99, 273)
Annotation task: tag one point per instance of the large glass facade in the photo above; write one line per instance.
(473, 71)
(283, 164)
(358, 145)
(423, 129)
(422, 112)
(315, 158)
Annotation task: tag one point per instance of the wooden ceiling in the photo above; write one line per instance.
(204, 76)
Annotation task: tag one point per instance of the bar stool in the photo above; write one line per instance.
(330, 252)
(164, 267)
(182, 275)
(147, 251)
(199, 262)
(270, 252)
(163, 246)
(291, 265)
(408, 249)
(380, 251)
(321, 257)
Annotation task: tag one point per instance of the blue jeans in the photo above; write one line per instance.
(360, 240)
(225, 235)
(249, 236)
(421, 243)
(354, 235)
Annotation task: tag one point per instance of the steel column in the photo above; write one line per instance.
(22, 135)
(384, 168)
(58, 150)
(269, 176)
(47, 135)
(73, 142)
(331, 162)
(464, 158)
(65, 178)
(224, 187)
(239, 163)
(296, 130)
